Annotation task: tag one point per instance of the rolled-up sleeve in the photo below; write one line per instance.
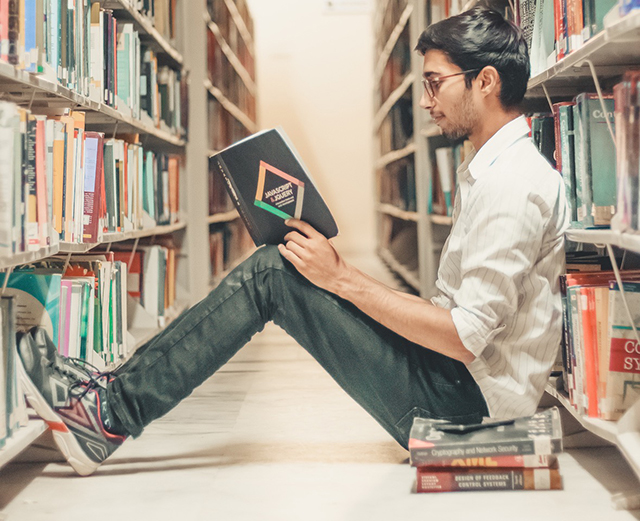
(499, 247)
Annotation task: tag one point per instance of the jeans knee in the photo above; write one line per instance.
(266, 257)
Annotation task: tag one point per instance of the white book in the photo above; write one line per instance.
(8, 118)
(74, 321)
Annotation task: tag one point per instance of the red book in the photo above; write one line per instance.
(134, 271)
(467, 480)
(518, 461)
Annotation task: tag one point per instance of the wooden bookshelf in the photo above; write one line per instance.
(443, 220)
(392, 41)
(231, 56)
(409, 16)
(144, 25)
(230, 107)
(393, 99)
(411, 278)
(396, 155)
(223, 217)
(405, 215)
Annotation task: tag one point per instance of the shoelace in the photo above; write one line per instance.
(92, 380)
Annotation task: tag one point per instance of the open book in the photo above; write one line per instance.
(268, 183)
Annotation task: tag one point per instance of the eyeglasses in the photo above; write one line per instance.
(431, 85)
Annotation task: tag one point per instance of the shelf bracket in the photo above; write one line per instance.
(596, 82)
(67, 261)
(546, 93)
(616, 272)
(133, 252)
(33, 95)
(7, 274)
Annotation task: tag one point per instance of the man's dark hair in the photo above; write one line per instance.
(478, 38)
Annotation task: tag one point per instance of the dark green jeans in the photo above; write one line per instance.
(392, 378)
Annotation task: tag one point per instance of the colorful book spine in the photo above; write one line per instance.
(430, 480)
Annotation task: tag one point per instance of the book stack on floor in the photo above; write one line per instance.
(515, 454)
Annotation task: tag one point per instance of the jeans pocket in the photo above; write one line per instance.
(403, 425)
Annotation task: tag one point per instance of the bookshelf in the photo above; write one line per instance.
(229, 101)
(177, 46)
(412, 223)
(402, 224)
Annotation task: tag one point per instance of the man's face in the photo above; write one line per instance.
(452, 108)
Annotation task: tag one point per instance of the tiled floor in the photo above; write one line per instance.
(272, 437)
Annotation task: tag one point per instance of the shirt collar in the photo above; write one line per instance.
(498, 143)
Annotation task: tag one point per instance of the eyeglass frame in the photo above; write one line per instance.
(428, 82)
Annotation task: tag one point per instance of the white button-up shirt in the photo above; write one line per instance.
(499, 269)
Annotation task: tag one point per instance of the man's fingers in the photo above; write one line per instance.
(296, 237)
(302, 226)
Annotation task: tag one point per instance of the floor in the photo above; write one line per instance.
(272, 437)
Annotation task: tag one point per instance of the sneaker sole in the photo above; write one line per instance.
(64, 438)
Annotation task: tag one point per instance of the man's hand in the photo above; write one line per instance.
(313, 255)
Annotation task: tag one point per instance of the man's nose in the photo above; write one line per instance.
(426, 101)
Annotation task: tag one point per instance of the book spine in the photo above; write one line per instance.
(429, 480)
(540, 446)
(234, 193)
(528, 461)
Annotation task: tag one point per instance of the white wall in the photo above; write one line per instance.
(315, 78)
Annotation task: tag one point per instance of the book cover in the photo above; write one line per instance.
(37, 300)
(93, 176)
(623, 377)
(269, 183)
(467, 480)
(517, 461)
(540, 434)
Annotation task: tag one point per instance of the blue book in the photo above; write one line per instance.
(30, 45)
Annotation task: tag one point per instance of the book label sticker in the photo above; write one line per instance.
(279, 193)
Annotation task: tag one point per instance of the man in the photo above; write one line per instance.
(483, 346)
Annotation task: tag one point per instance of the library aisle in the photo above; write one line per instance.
(272, 437)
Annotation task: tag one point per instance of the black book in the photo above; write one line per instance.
(432, 441)
(268, 183)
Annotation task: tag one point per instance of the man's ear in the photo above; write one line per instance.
(488, 81)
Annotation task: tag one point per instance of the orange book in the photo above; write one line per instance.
(590, 345)
(58, 174)
(174, 194)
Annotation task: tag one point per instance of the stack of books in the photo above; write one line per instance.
(515, 454)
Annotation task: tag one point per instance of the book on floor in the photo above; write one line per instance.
(269, 183)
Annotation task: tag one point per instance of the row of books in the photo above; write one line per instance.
(397, 184)
(228, 242)
(224, 76)
(444, 178)
(601, 355)
(83, 47)
(518, 454)
(13, 410)
(219, 200)
(388, 21)
(59, 180)
(82, 302)
(576, 140)
(220, 15)
(396, 129)
(224, 127)
(555, 28)
(397, 67)
(163, 15)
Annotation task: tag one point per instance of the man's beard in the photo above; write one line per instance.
(463, 119)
